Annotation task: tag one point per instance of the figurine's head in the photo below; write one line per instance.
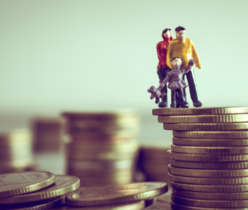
(180, 31)
(166, 33)
(176, 63)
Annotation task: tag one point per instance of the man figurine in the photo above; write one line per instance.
(183, 48)
(163, 69)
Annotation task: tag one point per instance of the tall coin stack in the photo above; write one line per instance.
(209, 168)
(102, 147)
(16, 151)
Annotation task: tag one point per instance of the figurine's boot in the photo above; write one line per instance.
(192, 90)
(173, 99)
(163, 103)
(182, 100)
(185, 97)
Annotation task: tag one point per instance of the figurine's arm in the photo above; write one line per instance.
(164, 82)
(195, 56)
(168, 57)
(190, 65)
(158, 52)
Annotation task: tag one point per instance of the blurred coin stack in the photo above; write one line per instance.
(154, 161)
(47, 134)
(209, 166)
(102, 147)
(16, 151)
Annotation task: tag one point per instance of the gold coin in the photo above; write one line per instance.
(98, 133)
(130, 206)
(209, 157)
(92, 123)
(63, 185)
(212, 196)
(161, 203)
(210, 165)
(101, 165)
(209, 150)
(18, 183)
(34, 206)
(204, 111)
(210, 188)
(210, 203)
(229, 118)
(94, 139)
(208, 180)
(81, 135)
(101, 128)
(21, 136)
(212, 134)
(187, 207)
(209, 142)
(100, 116)
(208, 172)
(206, 126)
(103, 150)
(15, 150)
(106, 195)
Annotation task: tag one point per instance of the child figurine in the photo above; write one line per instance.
(176, 82)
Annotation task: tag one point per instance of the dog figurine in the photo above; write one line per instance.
(155, 93)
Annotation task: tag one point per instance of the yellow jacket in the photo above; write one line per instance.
(182, 49)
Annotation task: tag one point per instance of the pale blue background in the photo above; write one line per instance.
(77, 54)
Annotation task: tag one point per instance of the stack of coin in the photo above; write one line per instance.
(153, 162)
(114, 197)
(102, 147)
(47, 134)
(16, 151)
(34, 190)
(163, 202)
(209, 166)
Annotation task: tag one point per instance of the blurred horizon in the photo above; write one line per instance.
(79, 55)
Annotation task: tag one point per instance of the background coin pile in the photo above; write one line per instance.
(209, 166)
(102, 147)
(16, 151)
(34, 190)
(47, 134)
(153, 162)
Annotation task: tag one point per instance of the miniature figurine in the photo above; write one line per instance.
(162, 68)
(177, 83)
(183, 48)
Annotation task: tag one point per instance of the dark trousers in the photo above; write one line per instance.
(192, 88)
(178, 98)
(162, 73)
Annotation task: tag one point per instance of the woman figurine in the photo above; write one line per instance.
(176, 82)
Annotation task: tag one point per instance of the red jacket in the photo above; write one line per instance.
(162, 47)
